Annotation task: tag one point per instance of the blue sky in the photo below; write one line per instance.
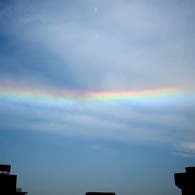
(77, 145)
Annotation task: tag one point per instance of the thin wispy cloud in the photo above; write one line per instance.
(101, 148)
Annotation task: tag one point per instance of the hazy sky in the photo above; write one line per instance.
(97, 95)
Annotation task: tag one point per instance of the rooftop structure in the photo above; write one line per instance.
(100, 193)
(8, 182)
(5, 169)
(186, 181)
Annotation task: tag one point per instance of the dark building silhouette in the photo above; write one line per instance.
(8, 182)
(186, 181)
(100, 193)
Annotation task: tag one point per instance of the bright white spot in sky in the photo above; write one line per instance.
(97, 36)
(95, 9)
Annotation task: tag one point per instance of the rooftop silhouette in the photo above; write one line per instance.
(186, 181)
(8, 182)
(100, 193)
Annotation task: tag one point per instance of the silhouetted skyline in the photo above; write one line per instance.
(8, 182)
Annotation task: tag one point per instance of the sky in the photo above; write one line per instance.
(97, 95)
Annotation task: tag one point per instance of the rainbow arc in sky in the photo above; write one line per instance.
(51, 95)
